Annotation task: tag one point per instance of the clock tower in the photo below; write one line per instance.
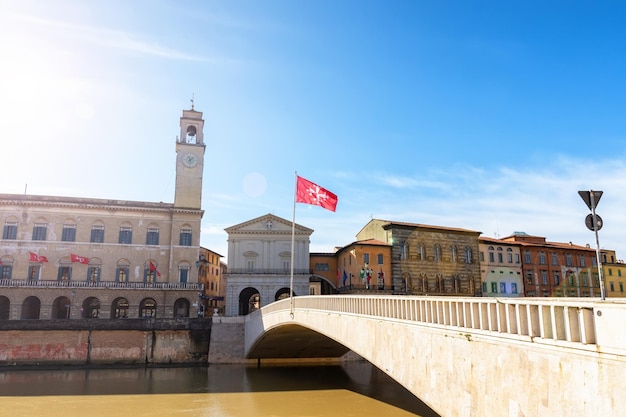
(189, 160)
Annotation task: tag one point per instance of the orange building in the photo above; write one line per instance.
(210, 275)
(364, 265)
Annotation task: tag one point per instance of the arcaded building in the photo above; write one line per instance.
(70, 257)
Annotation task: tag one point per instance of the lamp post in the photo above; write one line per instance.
(201, 264)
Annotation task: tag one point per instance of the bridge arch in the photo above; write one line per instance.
(467, 348)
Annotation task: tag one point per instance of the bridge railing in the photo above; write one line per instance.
(563, 321)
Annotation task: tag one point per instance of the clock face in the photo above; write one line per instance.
(190, 160)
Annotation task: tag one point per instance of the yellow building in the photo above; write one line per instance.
(614, 272)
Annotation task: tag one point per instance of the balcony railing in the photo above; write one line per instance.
(100, 284)
(268, 271)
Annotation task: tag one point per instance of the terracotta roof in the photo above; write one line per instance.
(430, 226)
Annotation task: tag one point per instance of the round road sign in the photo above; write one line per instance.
(589, 222)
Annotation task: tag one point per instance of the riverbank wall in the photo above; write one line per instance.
(90, 342)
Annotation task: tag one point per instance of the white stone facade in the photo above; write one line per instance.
(259, 263)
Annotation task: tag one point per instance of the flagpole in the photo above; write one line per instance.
(293, 238)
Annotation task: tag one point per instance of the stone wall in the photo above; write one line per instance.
(83, 342)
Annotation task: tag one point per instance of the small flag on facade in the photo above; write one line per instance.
(79, 259)
(153, 268)
(36, 258)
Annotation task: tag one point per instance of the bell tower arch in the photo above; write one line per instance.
(190, 149)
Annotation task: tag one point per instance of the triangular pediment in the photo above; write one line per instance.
(268, 223)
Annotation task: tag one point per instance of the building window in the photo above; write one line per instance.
(468, 255)
(485, 287)
(6, 269)
(404, 254)
(529, 277)
(33, 272)
(621, 287)
(183, 274)
(126, 235)
(150, 273)
(555, 259)
(321, 267)
(502, 288)
(582, 260)
(250, 265)
(64, 273)
(517, 258)
(147, 308)
(366, 258)
(542, 258)
(568, 259)
(421, 252)
(381, 259)
(544, 277)
(557, 278)
(500, 259)
(152, 236)
(514, 288)
(612, 286)
(494, 287)
(491, 255)
(453, 253)
(610, 272)
(69, 233)
(97, 234)
(437, 249)
(509, 255)
(527, 258)
(93, 274)
(10, 231)
(39, 231)
(121, 274)
(185, 237)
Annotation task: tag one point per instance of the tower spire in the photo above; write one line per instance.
(192, 104)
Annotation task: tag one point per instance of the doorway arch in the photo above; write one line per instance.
(5, 308)
(91, 308)
(249, 300)
(61, 308)
(119, 308)
(31, 308)
(181, 308)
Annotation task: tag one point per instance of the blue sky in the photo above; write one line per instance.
(483, 115)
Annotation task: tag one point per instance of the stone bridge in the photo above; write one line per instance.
(465, 357)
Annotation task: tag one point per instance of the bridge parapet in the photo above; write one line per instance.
(593, 325)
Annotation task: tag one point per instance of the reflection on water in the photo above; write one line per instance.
(355, 388)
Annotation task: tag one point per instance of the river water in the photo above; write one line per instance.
(352, 389)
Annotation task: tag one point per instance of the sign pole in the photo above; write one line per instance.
(598, 258)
